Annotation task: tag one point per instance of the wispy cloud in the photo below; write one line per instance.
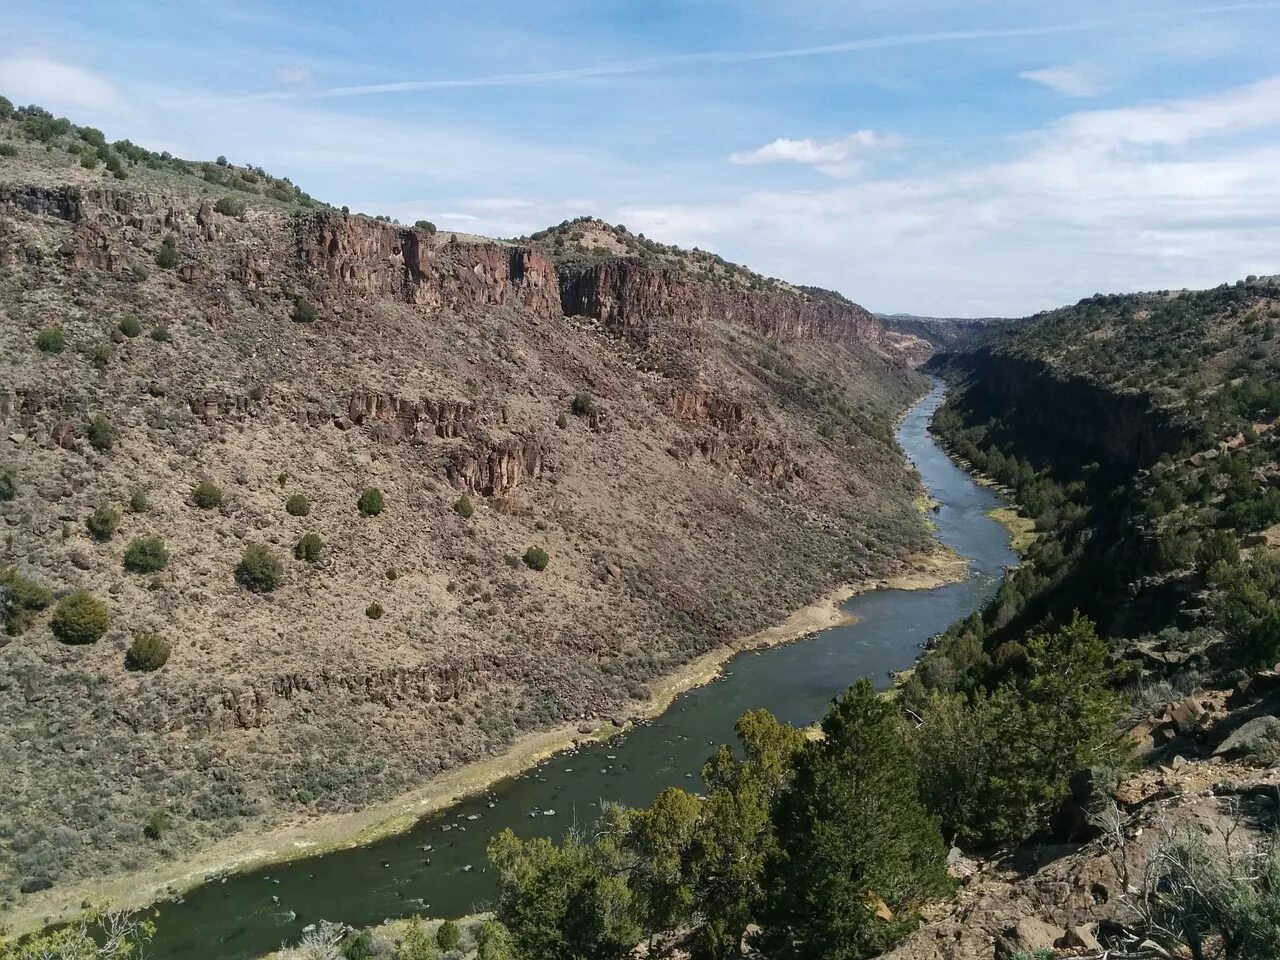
(1254, 106)
(61, 86)
(655, 64)
(293, 74)
(837, 158)
(1080, 80)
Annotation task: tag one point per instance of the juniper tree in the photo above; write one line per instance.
(853, 838)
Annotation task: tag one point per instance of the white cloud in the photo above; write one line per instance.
(837, 158)
(1255, 106)
(1181, 193)
(60, 86)
(1080, 80)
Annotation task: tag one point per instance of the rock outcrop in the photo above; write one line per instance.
(355, 255)
(495, 468)
(202, 712)
(400, 418)
(641, 302)
(701, 406)
(731, 438)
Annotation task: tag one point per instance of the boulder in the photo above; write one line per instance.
(1185, 715)
(881, 910)
(1082, 937)
(960, 867)
(35, 884)
(1249, 737)
(1028, 935)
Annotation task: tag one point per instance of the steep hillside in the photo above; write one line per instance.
(590, 472)
(1139, 432)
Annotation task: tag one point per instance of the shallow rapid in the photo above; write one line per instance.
(438, 868)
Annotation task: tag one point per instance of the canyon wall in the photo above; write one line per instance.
(1062, 418)
(355, 255)
(639, 301)
(340, 255)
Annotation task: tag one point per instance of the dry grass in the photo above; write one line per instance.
(1022, 529)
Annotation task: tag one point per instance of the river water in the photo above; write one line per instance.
(438, 868)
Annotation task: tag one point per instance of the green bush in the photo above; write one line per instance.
(149, 651)
(88, 159)
(161, 334)
(146, 555)
(206, 495)
(426, 225)
(51, 340)
(229, 207)
(157, 823)
(138, 501)
(103, 522)
(371, 502)
(562, 421)
(101, 436)
(464, 507)
(374, 611)
(130, 326)
(167, 255)
(535, 558)
(309, 548)
(448, 936)
(20, 600)
(8, 150)
(8, 486)
(304, 311)
(1226, 892)
(583, 405)
(359, 946)
(415, 945)
(494, 942)
(259, 570)
(297, 506)
(101, 355)
(80, 618)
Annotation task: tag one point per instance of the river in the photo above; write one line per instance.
(438, 868)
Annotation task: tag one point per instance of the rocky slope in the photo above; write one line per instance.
(1208, 783)
(1139, 432)
(695, 457)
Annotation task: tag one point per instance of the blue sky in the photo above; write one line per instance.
(986, 157)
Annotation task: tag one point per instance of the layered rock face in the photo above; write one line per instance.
(371, 258)
(344, 255)
(495, 468)
(639, 301)
(412, 418)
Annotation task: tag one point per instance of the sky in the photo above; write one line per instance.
(978, 158)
